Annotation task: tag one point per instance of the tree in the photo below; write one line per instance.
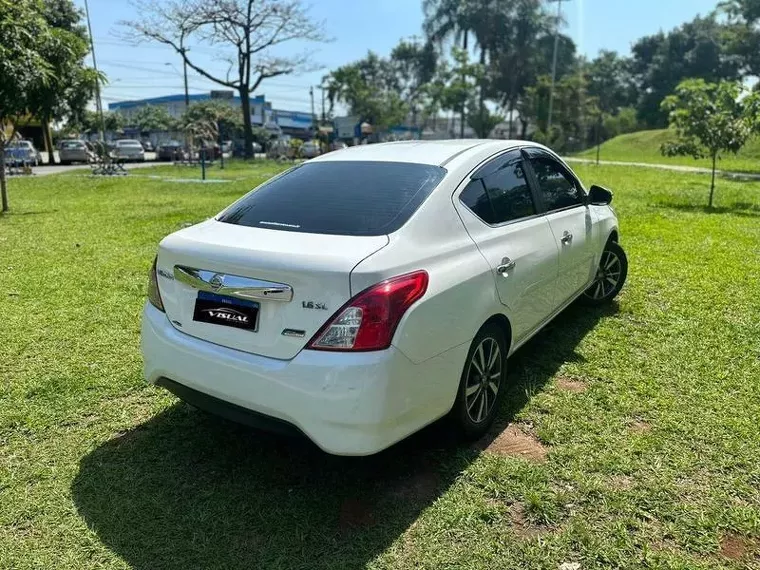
(23, 31)
(710, 119)
(71, 83)
(445, 19)
(249, 29)
(227, 118)
(696, 49)
(370, 89)
(743, 35)
(460, 83)
(414, 67)
(89, 122)
(610, 82)
(523, 51)
(152, 118)
(571, 106)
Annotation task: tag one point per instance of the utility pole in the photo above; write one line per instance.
(324, 115)
(183, 51)
(98, 102)
(554, 63)
(313, 114)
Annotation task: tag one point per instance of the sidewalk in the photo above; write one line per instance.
(674, 167)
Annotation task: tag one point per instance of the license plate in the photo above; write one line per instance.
(226, 311)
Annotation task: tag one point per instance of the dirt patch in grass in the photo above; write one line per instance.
(571, 385)
(639, 426)
(515, 442)
(735, 547)
(620, 483)
(521, 525)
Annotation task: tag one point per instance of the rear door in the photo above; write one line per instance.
(572, 222)
(501, 214)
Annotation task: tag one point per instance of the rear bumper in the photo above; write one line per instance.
(347, 403)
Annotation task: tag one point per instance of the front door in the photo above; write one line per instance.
(499, 210)
(571, 221)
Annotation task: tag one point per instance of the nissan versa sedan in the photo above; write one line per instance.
(366, 293)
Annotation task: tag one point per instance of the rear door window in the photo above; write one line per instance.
(500, 193)
(360, 198)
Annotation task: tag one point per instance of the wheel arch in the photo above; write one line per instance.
(613, 237)
(502, 321)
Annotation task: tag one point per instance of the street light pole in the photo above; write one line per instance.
(554, 64)
(98, 102)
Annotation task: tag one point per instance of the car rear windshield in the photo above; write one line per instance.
(359, 198)
(72, 144)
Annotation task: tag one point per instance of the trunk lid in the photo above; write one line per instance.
(262, 265)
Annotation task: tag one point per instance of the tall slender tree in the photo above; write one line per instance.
(244, 30)
(23, 31)
(446, 20)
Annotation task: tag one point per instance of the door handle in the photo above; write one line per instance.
(566, 238)
(506, 265)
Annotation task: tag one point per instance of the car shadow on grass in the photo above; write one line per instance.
(185, 490)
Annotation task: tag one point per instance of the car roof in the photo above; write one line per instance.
(437, 153)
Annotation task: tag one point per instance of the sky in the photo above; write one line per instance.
(354, 26)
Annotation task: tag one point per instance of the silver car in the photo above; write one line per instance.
(22, 152)
(74, 151)
(129, 149)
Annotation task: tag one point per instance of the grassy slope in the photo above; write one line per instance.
(644, 146)
(652, 465)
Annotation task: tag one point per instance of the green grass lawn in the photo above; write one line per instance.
(640, 422)
(644, 146)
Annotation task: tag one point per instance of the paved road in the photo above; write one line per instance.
(45, 170)
(674, 167)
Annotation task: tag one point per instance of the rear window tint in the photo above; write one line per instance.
(359, 198)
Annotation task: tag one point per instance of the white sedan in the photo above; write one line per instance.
(370, 291)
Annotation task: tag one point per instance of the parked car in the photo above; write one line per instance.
(129, 149)
(368, 292)
(147, 146)
(169, 150)
(22, 152)
(310, 149)
(74, 151)
(338, 145)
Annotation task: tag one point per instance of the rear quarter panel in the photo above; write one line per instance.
(461, 294)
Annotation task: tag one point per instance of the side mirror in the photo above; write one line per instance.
(599, 196)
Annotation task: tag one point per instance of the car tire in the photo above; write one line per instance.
(483, 383)
(610, 276)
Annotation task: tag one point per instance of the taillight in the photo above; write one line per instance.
(368, 321)
(154, 295)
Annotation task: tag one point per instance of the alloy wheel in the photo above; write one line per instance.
(607, 276)
(483, 379)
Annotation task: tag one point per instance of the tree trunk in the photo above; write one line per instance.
(48, 140)
(462, 115)
(245, 103)
(523, 128)
(3, 188)
(712, 184)
(598, 139)
(481, 94)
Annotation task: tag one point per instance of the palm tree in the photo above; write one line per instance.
(446, 19)
(457, 19)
